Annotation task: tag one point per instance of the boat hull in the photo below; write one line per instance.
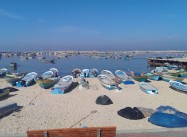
(48, 83)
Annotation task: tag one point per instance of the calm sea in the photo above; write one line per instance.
(66, 65)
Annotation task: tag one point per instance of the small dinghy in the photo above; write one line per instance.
(149, 89)
(123, 77)
(63, 85)
(138, 77)
(167, 116)
(12, 78)
(3, 72)
(107, 82)
(178, 86)
(49, 78)
(27, 80)
(94, 72)
(111, 76)
(76, 72)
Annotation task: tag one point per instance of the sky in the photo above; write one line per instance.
(103, 25)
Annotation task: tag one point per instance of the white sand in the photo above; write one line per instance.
(42, 110)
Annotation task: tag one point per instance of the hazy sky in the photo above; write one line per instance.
(93, 25)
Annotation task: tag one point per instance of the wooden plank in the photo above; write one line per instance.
(74, 132)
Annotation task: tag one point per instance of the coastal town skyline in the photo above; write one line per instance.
(93, 25)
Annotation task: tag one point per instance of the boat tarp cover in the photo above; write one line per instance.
(131, 113)
(167, 116)
(103, 100)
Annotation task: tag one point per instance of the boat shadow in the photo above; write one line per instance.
(11, 89)
(17, 111)
(73, 86)
(6, 97)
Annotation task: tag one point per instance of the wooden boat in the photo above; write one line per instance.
(7, 108)
(178, 86)
(107, 82)
(4, 93)
(49, 78)
(123, 77)
(167, 78)
(27, 80)
(63, 85)
(12, 78)
(138, 77)
(148, 88)
(3, 72)
(152, 76)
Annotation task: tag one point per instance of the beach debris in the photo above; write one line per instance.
(103, 100)
(131, 113)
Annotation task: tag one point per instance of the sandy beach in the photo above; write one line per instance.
(77, 108)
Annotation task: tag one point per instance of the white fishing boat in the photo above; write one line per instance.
(63, 85)
(107, 82)
(27, 80)
(148, 88)
(124, 77)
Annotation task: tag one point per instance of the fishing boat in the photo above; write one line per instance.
(123, 77)
(3, 72)
(4, 93)
(94, 72)
(148, 88)
(167, 78)
(27, 80)
(107, 82)
(152, 76)
(85, 73)
(111, 76)
(12, 78)
(178, 86)
(63, 85)
(76, 72)
(49, 78)
(138, 77)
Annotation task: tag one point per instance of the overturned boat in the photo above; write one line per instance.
(27, 80)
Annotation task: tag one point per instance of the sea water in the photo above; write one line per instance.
(66, 65)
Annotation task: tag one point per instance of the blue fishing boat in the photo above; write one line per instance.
(148, 88)
(139, 77)
(167, 116)
(178, 86)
